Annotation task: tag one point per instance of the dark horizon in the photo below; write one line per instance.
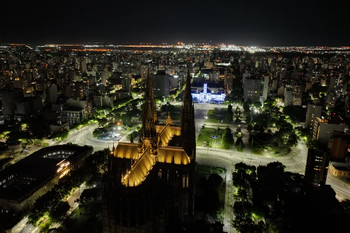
(268, 23)
(140, 43)
(174, 43)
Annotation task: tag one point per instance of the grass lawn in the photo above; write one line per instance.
(209, 120)
(268, 152)
(212, 116)
(204, 136)
(223, 116)
(214, 112)
(257, 152)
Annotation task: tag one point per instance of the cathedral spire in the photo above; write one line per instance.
(150, 95)
(149, 110)
(149, 135)
(187, 120)
(187, 95)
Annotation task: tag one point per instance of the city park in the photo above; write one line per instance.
(260, 129)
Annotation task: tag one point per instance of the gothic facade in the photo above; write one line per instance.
(150, 184)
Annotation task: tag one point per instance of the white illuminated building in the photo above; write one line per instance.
(204, 96)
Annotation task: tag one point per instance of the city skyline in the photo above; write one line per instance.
(171, 138)
(262, 24)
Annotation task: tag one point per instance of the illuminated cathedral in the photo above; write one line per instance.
(150, 184)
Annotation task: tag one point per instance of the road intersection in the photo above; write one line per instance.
(294, 162)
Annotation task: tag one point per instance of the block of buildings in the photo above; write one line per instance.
(23, 182)
(73, 115)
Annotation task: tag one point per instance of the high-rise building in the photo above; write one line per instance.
(144, 72)
(9, 97)
(288, 96)
(253, 88)
(83, 66)
(347, 105)
(316, 166)
(151, 183)
(297, 95)
(52, 94)
(265, 93)
(103, 78)
(313, 111)
(161, 85)
(323, 128)
(23, 107)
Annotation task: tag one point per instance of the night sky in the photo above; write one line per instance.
(262, 22)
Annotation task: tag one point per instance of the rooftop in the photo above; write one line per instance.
(71, 108)
(341, 166)
(22, 179)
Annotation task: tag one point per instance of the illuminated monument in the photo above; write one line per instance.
(150, 184)
(206, 96)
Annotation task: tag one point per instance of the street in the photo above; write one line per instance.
(339, 187)
(85, 137)
(294, 162)
(227, 159)
(23, 226)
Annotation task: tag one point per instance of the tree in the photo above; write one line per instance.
(257, 127)
(257, 104)
(275, 227)
(215, 180)
(97, 132)
(60, 136)
(229, 108)
(229, 114)
(239, 144)
(238, 110)
(292, 139)
(250, 127)
(238, 119)
(227, 139)
(241, 167)
(60, 210)
(246, 105)
(228, 117)
(278, 166)
(248, 117)
(269, 103)
(102, 122)
(243, 221)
